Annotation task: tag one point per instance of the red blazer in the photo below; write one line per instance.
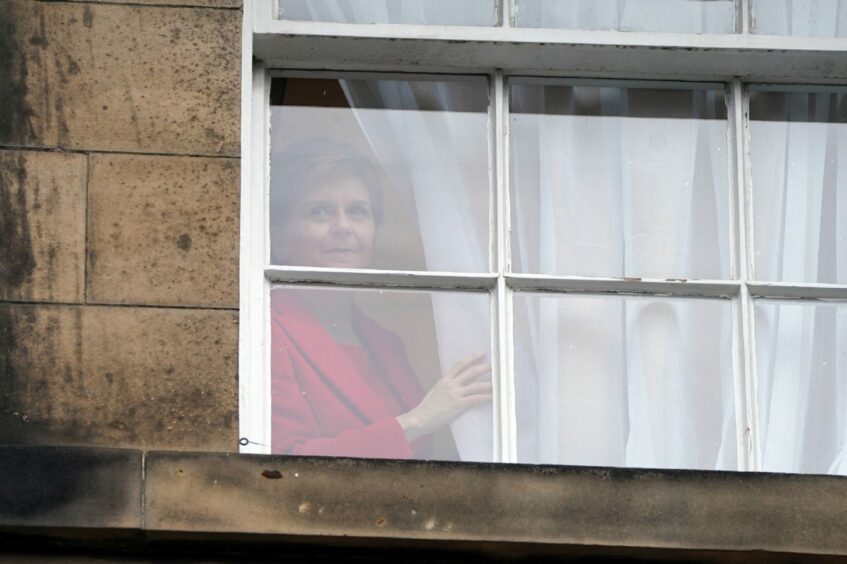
(320, 403)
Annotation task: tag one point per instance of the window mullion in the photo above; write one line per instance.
(743, 11)
(745, 389)
(505, 431)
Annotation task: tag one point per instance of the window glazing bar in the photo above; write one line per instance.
(380, 278)
(829, 292)
(636, 286)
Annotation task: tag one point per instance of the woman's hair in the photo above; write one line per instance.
(304, 165)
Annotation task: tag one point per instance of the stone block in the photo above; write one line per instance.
(115, 77)
(70, 487)
(325, 497)
(42, 205)
(118, 376)
(163, 230)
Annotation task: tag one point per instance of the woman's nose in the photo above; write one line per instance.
(342, 224)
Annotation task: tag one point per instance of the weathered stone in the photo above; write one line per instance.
(491, 503)
(121, 77)
(163, 230)
(197, 3)
(42, 230)
(70, 487)
(118, 376)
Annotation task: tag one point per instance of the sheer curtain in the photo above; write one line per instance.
(431, 155)
(798, 141)
(818, 18)
(421, 12)
(689, 16)
(599, 195)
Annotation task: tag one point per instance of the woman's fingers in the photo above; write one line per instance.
(476, 388)
(465, 363)
(473, 372)
(473, 401)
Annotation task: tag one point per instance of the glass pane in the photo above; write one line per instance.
(818, 18)
(619, 182)
(682, 16)
(801, 363)
(798, 154)
(420, 12)
(389, 174)
(381, 374)
(625, 381)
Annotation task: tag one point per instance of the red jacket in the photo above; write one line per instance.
(321, 403)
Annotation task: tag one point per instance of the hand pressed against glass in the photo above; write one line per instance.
(457, 391)
(326, 215)
(332, 225)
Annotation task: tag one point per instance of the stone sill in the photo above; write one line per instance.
(136, 499)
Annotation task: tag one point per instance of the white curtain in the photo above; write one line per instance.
(682, 16)
(815, 18)
(421, 12)
(429, 154)
(624, 381)
(800, 235)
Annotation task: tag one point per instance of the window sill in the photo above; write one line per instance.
(244, 498)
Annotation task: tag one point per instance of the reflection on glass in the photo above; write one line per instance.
(682, 16)
(420, 12)
(625, 381)
(811, 18)
(798, 153)
(380, 374)
(801, 363)
(389, 174)
(619, 181)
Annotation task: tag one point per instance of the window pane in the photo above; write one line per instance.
(389, 174)
(625, 381)
(684, 16)
(616, 182)
(819, 18)
(372, 373)
(801, 362)
(798, 146)
(421, 12)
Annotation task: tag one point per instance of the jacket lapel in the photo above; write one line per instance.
(389, 355)
(323, 355)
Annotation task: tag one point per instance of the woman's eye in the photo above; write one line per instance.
(360, 211)
(318, 212)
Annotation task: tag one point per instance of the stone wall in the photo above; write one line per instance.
(119, 184)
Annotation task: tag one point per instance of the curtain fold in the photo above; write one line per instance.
(681, 16)
(810, 18)
(620, 382)
(800, 198)
(422, 153)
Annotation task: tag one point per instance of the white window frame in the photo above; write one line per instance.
(734, 60)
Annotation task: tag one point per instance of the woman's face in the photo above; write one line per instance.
(331, 225)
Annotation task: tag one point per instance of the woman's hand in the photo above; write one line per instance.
(457, 391)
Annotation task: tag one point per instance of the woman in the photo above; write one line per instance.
(342, 384)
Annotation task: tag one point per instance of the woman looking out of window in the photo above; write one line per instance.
(341, 383)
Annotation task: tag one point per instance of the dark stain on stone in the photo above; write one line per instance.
(272, 474)
(73, 66)
(184, 242)
(17, 261)
(87, 17)
(16, 116)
